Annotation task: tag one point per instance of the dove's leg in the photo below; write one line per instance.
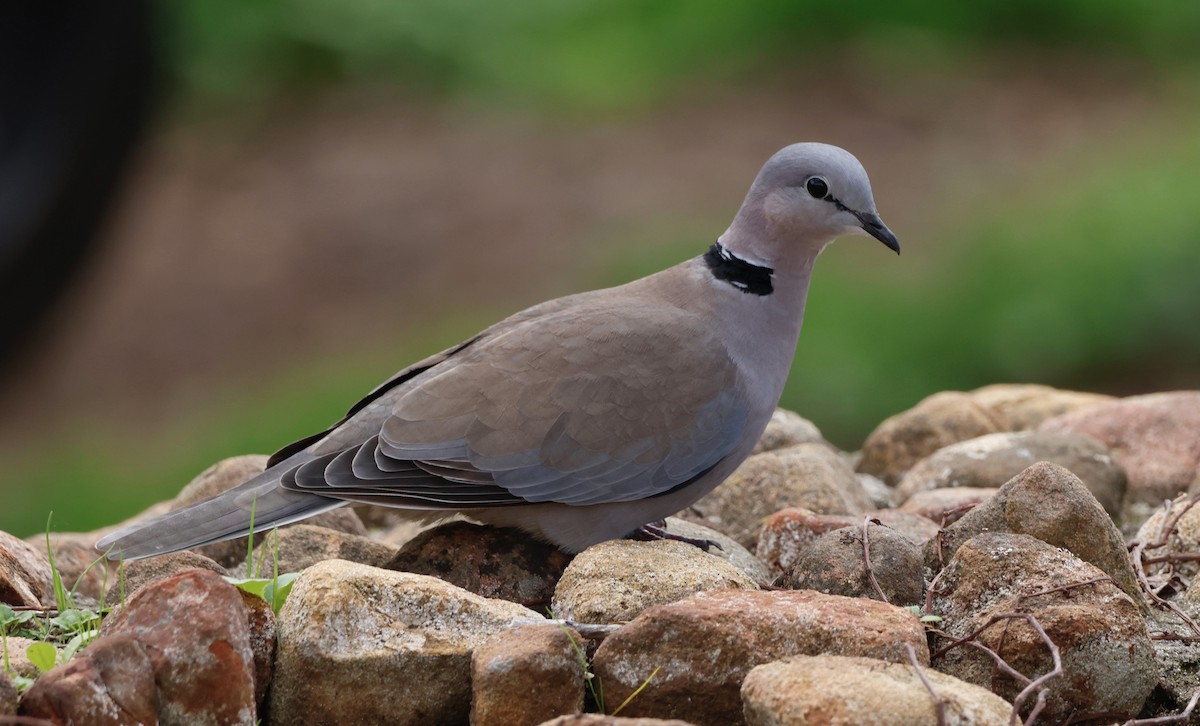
(657, 530)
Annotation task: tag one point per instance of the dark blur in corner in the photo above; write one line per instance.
(77, 87)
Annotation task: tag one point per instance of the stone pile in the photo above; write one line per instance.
(969, 563)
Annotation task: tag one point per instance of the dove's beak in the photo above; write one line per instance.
(875, 227)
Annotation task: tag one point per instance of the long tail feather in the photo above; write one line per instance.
(223, 517)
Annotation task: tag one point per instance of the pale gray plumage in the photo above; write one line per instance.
(586, 417)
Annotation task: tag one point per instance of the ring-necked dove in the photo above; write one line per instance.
(584, 418)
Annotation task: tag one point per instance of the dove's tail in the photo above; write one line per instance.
(225, 516)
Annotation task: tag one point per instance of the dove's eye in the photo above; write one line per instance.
(817, 187)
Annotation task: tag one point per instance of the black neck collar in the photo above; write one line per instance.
(749, 278)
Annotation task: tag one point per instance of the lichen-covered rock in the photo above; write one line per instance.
(527, 675)
(194, 629)
(808, 475)
(785, 429)
(1024, 406)
(304, 545)
(704, 646)
(25, 577)
(788, 532)
(495, 562)
(1183, 517)
(1108, 660)
(1048, 502)
(727, 548)
(613, 581)
(111, 683)
(939, 420)
(989, 461)
(1156, 438)
(840, 690)
(835, 563)
(946, 506)
(364, 645)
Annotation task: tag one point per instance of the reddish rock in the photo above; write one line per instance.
(598, 719)
(545, 660)
(788, 532)
(495, 562)
(8, 696)
(25, 577)
(939, 420)
(193, 627)
(152, 569)
(1155, 437)
(704, 646)
(80, 566)
(111, 683)
(260, 621)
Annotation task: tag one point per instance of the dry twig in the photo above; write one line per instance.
(939, 702)
(867, 558)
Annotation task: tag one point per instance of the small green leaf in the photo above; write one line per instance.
(931, 618)
(277, 590)
(21, 682)
(254, 586)
(74, 620)
(42, 655)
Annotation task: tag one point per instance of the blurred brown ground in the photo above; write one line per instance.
(240, 246)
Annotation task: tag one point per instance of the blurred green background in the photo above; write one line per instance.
(334, 190)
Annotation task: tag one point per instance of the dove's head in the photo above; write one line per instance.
(805, 196)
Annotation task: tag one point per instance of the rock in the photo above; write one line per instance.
(846, 691)
(1182, 541)
(729, 549)
(1108, 660)
(227, 474)
(991, 460)
(946, 506)
(788, 532)
(1178, 676)
(1156, 438)
(704, 646)
(1048, 502)
(880, 494)
(1024, 406)
(25, 577)
(917, 528)
(109, 683)
(359, 644)
(807, 475)
(495, 562)
(613, 581)
(303, 545)
(788, 429)
(260, 624)
(8, 696)
(80, 566)
(835, 564)
(939, 420)
(546, 660)
(598, 719)
(193, 627)
(18, 660)
(152, 569)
